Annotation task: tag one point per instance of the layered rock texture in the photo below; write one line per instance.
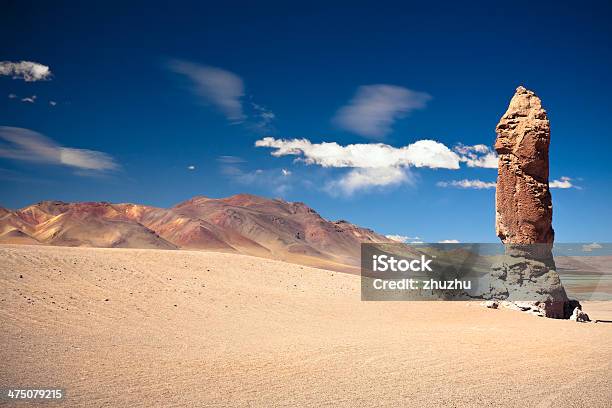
(524, 209)
(523, 202)
(243, 223)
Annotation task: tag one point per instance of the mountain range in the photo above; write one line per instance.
(243, 223)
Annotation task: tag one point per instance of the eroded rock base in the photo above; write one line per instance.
(528, 281)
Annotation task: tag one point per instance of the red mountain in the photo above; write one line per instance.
(242, 223)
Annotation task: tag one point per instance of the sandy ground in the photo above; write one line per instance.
(145, 328)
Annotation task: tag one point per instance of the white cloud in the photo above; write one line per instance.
(475, 184)
(27, 70)
(27, 145)
(422, 153)
(216, 86)
(367, 178)
(285, 172)
(398, 238)
(374, 109)
(404, 239)
(373, 164)
(12, 96)
(563, 182)
(192, 167)
(417, 240)
(52, 103)
(29, 99)
(591, 247)
(477, 156)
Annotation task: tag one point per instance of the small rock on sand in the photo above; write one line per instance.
(491, 304)
(579, 316)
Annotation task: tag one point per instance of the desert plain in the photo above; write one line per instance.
(148, 328)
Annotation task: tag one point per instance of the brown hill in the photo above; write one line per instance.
(243, 223)
(17, 237)
(78, 224)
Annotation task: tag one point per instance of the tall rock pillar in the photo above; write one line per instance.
(523, 219)
(523, 202)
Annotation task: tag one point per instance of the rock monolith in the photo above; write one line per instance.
(524, 209)
(523, 201)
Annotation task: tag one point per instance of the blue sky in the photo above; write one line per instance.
(136, 94)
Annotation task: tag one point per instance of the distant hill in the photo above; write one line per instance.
(243, 223)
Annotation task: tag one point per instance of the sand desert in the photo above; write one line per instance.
(305, 204)
(146, 327)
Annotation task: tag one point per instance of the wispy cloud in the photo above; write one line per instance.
(262, 117)
(449, 241)
(29, 71)
(27, 145)
(372, 165)
(375, 108)
(29, 99)
(563, 182)
(276, 180)
(216, 86)
(477, 156)
(225, 91)
(230, 159)
(475, 184)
